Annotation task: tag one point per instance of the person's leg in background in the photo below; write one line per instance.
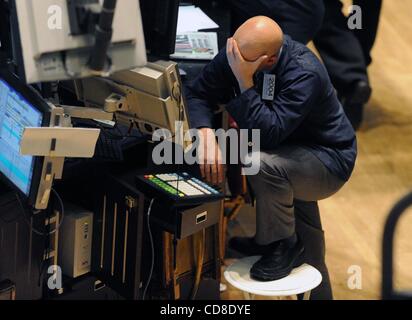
(300, 19)
(344, 59)
(370, 21)
(309, 229)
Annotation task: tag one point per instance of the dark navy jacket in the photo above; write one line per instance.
(305, 109)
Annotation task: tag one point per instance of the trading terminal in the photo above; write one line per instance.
(76, 130)
(85, 212)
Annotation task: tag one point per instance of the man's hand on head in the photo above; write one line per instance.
(241, 68)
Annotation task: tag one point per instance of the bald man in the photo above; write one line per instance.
(308, 145)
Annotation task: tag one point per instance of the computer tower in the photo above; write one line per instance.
(75, 248)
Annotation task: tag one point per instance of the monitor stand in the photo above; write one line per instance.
(59, 141)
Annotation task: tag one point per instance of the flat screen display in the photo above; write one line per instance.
(16, 113)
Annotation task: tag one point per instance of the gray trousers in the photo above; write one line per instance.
(287, 173)
(290, 182)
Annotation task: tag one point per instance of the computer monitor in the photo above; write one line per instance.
(160, 25)
(20, 107)
(150, 97)
(51, 42)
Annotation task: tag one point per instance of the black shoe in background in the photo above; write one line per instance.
(358, 93)
(279, 262)
(353, 101)
(247, 246)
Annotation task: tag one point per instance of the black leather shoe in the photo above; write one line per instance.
(353, 101)
(279, 262)
(358, 93)
(247, 246)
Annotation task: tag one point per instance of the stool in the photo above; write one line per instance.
(301, 280)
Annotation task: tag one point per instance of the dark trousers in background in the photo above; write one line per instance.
(370, 20)
(309, 229)
(345, 52)
(301, 19)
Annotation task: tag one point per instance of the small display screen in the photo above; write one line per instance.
(16, 113)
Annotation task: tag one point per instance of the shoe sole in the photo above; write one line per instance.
(266, 277)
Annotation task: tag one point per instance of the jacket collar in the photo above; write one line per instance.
(283, 54)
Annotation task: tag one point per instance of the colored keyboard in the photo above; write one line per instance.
(179, 187)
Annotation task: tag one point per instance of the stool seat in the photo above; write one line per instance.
(301, 280)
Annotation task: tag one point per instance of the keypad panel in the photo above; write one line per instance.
(181, 185)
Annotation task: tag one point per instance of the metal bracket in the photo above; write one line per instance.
(59, 141)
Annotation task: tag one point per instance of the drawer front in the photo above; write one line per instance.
(198, 218)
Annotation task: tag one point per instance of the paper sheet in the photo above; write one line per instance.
(192, 19)
(196, 45)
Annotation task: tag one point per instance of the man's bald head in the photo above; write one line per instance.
(257, 37)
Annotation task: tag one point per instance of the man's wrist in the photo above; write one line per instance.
(245, 85)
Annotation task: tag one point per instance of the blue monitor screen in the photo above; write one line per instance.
(16, 114)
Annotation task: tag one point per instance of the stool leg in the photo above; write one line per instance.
(306, 295)
(248, 296)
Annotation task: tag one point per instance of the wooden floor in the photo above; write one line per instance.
(354, 218)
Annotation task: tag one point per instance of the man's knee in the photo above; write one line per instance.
(262, 165)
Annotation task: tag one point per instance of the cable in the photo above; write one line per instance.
(200, 259)
(44, 258)
(42, 234)
(62, 211)
(178, 96)
(120, 136)
(34, 230)
(108, 134)
(103, 36)
(152, 248)
(43, 265)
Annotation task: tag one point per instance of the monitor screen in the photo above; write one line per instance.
(16, 113)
